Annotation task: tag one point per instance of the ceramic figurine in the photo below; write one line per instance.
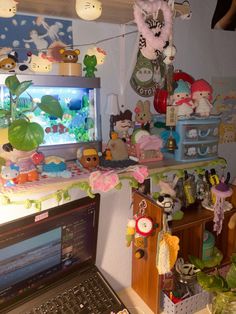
(9, 175)
(202, 96)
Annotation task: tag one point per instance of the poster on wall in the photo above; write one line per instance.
(225, 105)
(22, 35)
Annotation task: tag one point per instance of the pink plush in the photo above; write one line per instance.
(150, 142)
(103, 181)
(140, 173)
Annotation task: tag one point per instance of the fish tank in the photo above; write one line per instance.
(79, 98)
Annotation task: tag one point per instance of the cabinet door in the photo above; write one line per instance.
(145, 278)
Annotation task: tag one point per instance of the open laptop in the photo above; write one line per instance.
(47, 263)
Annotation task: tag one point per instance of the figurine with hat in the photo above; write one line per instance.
(182, 100)
(202, 92)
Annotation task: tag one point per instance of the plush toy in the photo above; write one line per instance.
(69, 56)
(122, 124)
(99, 53)
(117, 147)
(9, 62)
(54, 166)
(88, 157)
(182, 100)
(143, 114)
(90, 63)
(8, 8)
(201, 92)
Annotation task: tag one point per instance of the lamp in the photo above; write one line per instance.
(8, 8)
(112, 109)
(88, 9)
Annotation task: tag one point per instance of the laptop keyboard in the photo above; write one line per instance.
(92, 296)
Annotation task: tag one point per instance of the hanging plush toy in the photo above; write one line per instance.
(154, 20)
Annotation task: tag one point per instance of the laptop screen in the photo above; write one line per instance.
(41, 248)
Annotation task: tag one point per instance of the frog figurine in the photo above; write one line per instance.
(90, 63)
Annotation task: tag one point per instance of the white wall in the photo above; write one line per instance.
(201, 52)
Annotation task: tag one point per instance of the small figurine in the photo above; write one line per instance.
(182, 100)
(143, 115)
(54, 166)
(88, 157)
(9, 62)
(201, 92)
(90, 63)
(122, 124)
(9, 175)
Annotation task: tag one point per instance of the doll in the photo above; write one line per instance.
(182, 100)
(122, 123)
(201, 92)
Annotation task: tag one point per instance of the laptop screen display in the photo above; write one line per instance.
(38, 249)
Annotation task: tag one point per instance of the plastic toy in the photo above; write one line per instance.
(182, 100)
(201, 92)
(90, 63)
(9, 175)
(88, 157)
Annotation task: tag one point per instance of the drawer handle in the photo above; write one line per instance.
(201, 153)
(203, 133)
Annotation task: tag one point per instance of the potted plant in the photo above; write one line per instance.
(24, 134)
(223, 288)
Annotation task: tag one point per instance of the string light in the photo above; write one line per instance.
(79, 45)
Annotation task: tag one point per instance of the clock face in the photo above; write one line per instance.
(144, 226)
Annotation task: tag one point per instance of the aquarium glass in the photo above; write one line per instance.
(79, 121)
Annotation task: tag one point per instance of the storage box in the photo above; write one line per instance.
(188, 306)
(198, 139)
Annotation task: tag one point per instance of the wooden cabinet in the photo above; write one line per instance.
(190, 230)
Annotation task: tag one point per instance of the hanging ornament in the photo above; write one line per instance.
(88, 10)
(7, 8)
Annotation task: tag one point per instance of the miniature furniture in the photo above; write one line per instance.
(145, 279)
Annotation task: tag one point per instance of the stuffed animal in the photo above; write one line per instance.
(88, 157)
(182, 100)
(9, 62)
(117, 147)
(143, 114)
(69, 56)
(201, 92)
(9, 175)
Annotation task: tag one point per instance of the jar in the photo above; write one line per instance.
(224, 303)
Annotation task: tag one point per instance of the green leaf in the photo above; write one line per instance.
(196, 261)
(4, 113)
(25, 135)
(212, 283)
(51, 105)
(23, 86)
(231, 276)
(12, 83)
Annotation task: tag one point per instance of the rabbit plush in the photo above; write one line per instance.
(143, 115)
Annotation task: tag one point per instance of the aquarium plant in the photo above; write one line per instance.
(22, 133)
(223, 288)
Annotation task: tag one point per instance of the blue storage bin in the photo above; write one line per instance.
(198, 139)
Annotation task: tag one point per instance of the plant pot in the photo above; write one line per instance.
(224, 303)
